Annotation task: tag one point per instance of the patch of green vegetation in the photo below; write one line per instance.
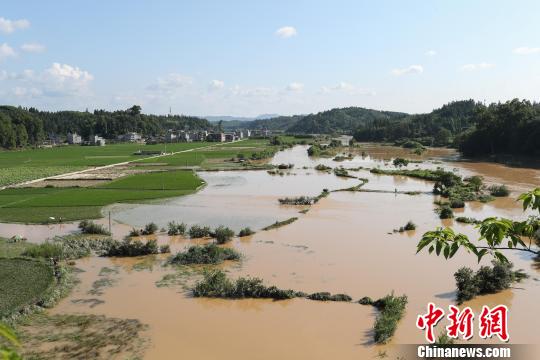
(300, 200)
(321, 167)
(80, 337)
(206, 254)
(487, 280)
(216, 284)
(342, 172)
(23, 282)
(130, 247)
(499, 190)
(18, 174)
(89, 227)
(445, 212)
(197, 231)
(399, 162)
(222, 234)
(160, 180)
(366, 300)
(176, 228)
(467, 220)
(69, 247)
(279, 224)
(246, 232)
(409, 226)
(391, 310)
(10, 248)
(326, 296)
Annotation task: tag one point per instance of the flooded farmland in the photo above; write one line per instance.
(344, 244)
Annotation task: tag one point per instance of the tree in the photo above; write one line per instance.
(22, 135)
(498, 233)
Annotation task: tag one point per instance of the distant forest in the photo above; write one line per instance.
(29, 127)
(475, 129)
(512, 127)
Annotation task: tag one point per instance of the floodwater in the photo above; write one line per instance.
(344, 244)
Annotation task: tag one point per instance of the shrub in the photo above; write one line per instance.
(130, 247)
(409, 226)
(445, 212)
(457, 203)
(149, 229)
(89, 227)
(321, 167)
(223, 234)
(366, 300)
(207, 254)
(499, 190)
(399, 162)
(391, 310)
(134, 232)
(46, 250)
(467, 220)
(165, 249)
(476, 182)
(314, 150)
(326, 296)
(246, 232)
(487, 280)
(301, 200)
(176, 229)
(216, 284)
(285, 166)
(196, 231)
(278, 224)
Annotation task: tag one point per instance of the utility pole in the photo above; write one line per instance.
(110, 229)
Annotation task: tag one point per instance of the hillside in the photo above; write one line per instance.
(20, 127)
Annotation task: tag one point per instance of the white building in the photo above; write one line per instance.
(74, 138)
(132, 137)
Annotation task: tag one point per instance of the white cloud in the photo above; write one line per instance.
(286, 32)
(431, 53)
(295, 86)
(526, 50)
(217, 84)
(59, 80)
(479, 66)
(170, 83)
(8, 26)
(64, 73)
(347, 88)
(6, 51)
(413, 69)
(33, 47)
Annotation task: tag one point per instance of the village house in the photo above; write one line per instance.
(74, 138)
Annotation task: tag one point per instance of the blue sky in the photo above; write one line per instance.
(254, 57)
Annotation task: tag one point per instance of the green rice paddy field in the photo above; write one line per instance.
(30, 164)
(45, 205)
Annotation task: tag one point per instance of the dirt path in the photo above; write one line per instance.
(112, 165)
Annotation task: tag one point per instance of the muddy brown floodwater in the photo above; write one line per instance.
(343, 244)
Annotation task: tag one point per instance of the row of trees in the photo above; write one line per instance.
(512, 127)
(438, 128)
(27, 127)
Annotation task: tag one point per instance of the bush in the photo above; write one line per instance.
(445, 212)
(149, 229)
(391, 310)
(467, 220)
(487, 280)
(366, 300)
(89, 227)
(176, 229)
(130, 247)
(134, 232)
(207, 254)
(326, 296)
(457, 203)
(409, 226)
(499, 190)
(314, 150)
(321, 167)
(216, 284)
(46, 250)
(301, 200)
(165, 249)
(223, 234)
(196, 231)
(399, 162)
(246, 232)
